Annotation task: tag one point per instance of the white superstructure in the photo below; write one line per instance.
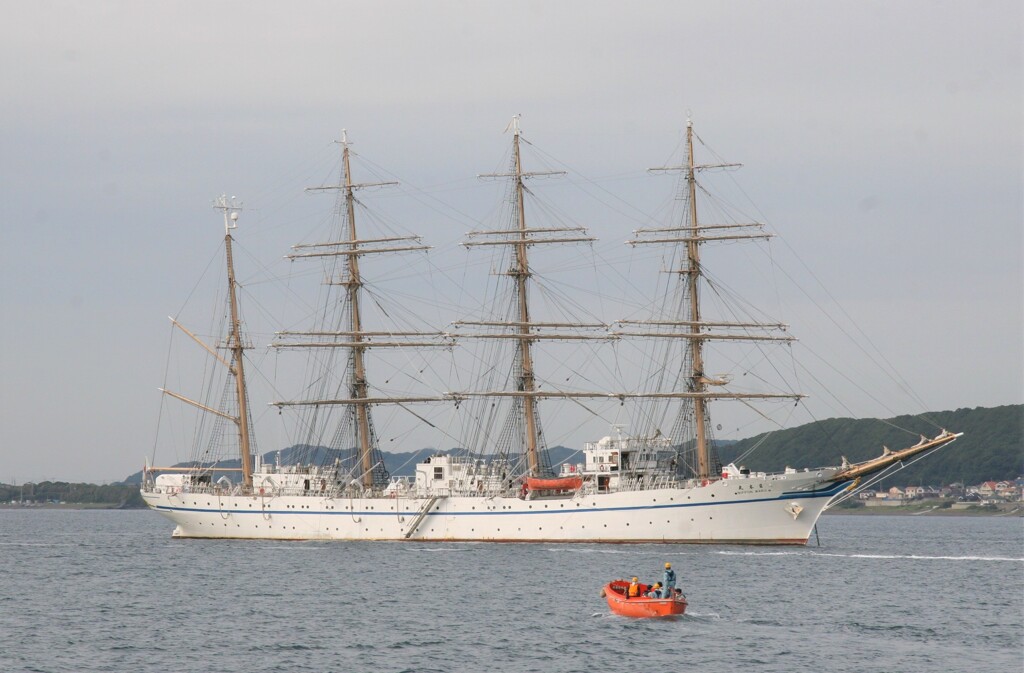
(457, 499)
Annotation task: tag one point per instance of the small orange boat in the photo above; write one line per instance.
(615, 593)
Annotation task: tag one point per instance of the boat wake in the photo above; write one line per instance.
(445, 550)
(907, 557)
(602, 550)
(917, 557)
(725, 552)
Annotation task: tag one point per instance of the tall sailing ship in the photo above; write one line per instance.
(649, 486)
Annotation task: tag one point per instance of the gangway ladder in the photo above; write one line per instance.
(424, 511)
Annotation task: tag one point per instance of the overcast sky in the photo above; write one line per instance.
(883, 139)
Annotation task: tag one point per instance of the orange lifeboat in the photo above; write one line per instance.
(556, 484)
(615, 593)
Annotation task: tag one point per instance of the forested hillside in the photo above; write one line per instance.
(108, 495)
(992, 447)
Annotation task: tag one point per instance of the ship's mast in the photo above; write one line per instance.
(355, 338)
(692, 274)
(692, 234)
(352, 284)
(523, 331)
(230, 210)
(521, 274)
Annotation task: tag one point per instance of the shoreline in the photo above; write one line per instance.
(1011, 509)
(70, 505)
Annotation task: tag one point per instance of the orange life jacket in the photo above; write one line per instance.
(634, 590)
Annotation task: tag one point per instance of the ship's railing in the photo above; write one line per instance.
(194, 489)
(267, 489)
(646, 481)
(628, 444)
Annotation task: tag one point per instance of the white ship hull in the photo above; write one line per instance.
(500, 486)
(777, 509)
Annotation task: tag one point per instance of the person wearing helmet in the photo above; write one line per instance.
(634, 588)
(668, 582)
(655, 591)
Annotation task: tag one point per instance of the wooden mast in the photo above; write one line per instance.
(521, 273)
(522, 330)
(352, 285)
(692, 235)
(230, 210)
(356, 339)
(692, 272)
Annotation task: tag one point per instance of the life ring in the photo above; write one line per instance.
(704, 482)
(603, 468)
(261, 491)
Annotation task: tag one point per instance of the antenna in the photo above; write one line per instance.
(230, 207)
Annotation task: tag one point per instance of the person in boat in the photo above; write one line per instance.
(668, 582)
(655, 591)
(634, 589)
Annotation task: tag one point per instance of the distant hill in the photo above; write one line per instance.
(992, 447)
(106, 495)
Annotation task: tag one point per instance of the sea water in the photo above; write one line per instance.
(111, 591)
